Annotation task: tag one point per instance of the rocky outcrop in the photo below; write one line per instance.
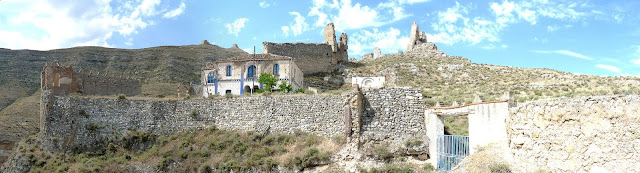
(418, 44)
(205, 42)
(376, 53)
(235, 46)
(366, 57)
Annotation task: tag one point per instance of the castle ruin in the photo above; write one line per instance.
(63, 80)
(314, 57)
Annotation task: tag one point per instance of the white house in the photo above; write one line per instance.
(240, 75)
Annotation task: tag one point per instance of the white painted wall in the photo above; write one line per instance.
(368, 82)
(487, 125)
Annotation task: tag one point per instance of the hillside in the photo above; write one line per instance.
(446, 79)
(161, 69)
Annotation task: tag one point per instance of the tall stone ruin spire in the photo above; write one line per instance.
(330, 37)
(416, 37)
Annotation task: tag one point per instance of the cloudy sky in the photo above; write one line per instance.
(587, 37)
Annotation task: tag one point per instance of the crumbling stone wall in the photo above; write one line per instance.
(392, 116)
(107, 85)
(63, 80)
(591, 133)
(310, 57)
(64, 127)
(314, 57)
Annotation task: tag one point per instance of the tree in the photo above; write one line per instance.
(268, 81)
(284, 87)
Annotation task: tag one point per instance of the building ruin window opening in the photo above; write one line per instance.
(251, 71)
(276, 69)
(227, 92)
(229, 70)
(211, 77)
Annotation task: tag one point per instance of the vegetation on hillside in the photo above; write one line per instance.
(193, 151)
(454, 79)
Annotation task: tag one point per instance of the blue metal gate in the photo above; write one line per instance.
(452, 149)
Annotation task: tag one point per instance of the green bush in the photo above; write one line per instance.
(300, 90)
(284, 87)
(228, 95)
(122, 96)
(311, 157)
(83, 113)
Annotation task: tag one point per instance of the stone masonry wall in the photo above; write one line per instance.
(64, 127)
(593, 133)
(393, 115)
(310, 57)
(108, 85)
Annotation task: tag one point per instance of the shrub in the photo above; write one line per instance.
(228, 96)
(300, 90)
(340, 139)
(121, 96)
(193, 113)
(500, 168)
(204, 168)
(428, 167)
(211, 96)
(383, 153)
(284, 87)
(83, 113)
(187, 97)
(311, 157)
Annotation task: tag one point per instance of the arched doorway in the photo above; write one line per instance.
(255, 88)
(247, 89)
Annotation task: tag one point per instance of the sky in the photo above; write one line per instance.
(586, 37)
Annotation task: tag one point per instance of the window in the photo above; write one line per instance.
(229, 70)
(251, 71)
(211, 77)
(227, 92)
(276, 69)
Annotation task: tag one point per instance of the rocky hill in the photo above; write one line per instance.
(161, 69)
(446, 79)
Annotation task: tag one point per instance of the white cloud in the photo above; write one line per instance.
(235, 27)
(175, 12)
(44, 25)
(564, 52)
(264, 4)
(297, 26)
(609, 68)
(457, 24)
(365, 41)
(346, 15)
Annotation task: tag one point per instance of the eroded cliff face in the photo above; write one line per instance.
(584, 134)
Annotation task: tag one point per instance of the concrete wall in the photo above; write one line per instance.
(310, 57)
(487, 124)
(593, 133)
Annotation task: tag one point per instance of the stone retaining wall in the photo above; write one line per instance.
(576, 135)
(389, 114)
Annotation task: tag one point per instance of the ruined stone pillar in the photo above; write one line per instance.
(330, 37)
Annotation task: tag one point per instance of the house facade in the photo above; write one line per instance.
(240, 75)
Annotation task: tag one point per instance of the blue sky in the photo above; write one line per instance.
(586, 37)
